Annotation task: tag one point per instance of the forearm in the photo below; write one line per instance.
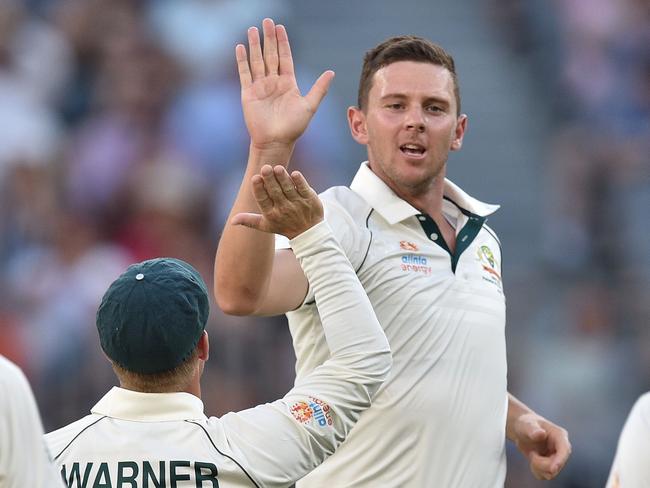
(354, 335)
(516, 408)
(244, 258)
(545, 444)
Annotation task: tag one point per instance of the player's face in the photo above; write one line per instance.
(409, 124)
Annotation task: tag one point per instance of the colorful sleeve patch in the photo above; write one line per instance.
(312, 411)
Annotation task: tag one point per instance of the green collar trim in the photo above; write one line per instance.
(464, 238)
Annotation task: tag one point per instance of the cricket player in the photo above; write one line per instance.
(24, 460)
(631, 467)
(424, 254)
(151, 431)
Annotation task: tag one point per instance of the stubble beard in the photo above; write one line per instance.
(396, 176)
(412, 188)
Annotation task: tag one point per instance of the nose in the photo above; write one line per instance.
(415, 120)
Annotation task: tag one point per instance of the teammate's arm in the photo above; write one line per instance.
(276, 114)
(545, 445)
(286, 439)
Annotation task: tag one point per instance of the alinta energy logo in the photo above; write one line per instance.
(414, 263)
(489, 263)
(315, 409)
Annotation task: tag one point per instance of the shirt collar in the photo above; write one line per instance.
(379, 196)
(149, 407)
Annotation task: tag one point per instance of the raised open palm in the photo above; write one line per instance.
(288, 205)
(274, 110)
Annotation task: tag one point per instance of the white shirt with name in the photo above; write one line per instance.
(139, 439)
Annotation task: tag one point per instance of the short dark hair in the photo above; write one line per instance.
(404, 48)
(168, 381)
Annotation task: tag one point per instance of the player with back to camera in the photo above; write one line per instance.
(420, 246)
(151, 431)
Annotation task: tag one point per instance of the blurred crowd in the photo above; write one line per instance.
(122, 139)
(587, 356)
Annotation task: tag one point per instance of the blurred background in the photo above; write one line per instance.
(121, 139)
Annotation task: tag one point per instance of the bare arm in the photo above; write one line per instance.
(249, 277)
(545, 445)
(247, 264)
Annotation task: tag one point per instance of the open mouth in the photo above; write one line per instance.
(412, 150)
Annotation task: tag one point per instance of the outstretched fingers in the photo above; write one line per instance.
(286, 183)
(284, 51)
(270, 47)
(245, 78)
(255, 52)
(261, 195)
(319, 90)
(302, 187)
(271, 184)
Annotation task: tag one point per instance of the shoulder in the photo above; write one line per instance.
(345, 211)
(15, 391)
(341, 200)
(10, 374)
(492, 233)
(641, 411)
(61, 439)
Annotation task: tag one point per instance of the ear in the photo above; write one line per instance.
(461, 126)
(357, 123)
(204, 346)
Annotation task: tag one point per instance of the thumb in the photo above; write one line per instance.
(529, 428)
(319, 90)
(535, 432)
(252, 220)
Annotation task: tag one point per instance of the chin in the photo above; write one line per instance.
(413, 181)
(418, 174)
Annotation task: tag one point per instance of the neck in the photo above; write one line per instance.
(426, 197)
(191, 384)
(194, 388)
(191, 388)
(428, 201)
(194, 385)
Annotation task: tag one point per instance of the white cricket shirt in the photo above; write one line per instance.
(439, 420)
(24, 460)
(631, 468)
(164, 439)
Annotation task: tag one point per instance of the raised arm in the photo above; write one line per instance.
(286, 439)
(276, 115)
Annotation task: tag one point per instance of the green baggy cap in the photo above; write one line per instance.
(152, 317)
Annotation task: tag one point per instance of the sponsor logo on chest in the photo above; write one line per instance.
(415, 263)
